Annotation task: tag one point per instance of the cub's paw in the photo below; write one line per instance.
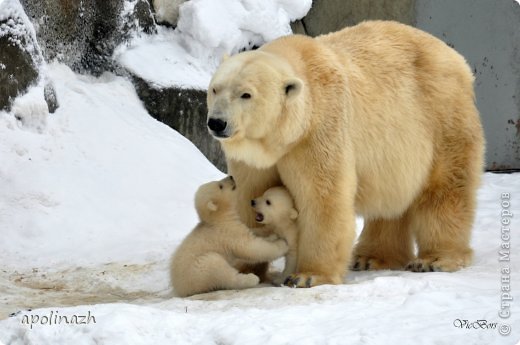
(249, 280)
(365, 263)
(272, 237)
(438, 264)
(307, 280)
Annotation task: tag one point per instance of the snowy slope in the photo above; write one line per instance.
(101, 174)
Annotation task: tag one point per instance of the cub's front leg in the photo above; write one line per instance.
(291, 257)
(256, 249)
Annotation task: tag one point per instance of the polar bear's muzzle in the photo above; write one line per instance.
(218, 128)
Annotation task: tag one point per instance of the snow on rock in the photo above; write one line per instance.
(21, 60)
(31, 109)
(207, 29)
(167, 10)
(15, 23)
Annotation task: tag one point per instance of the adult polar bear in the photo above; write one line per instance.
(377, 119)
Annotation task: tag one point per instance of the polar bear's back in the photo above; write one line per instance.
(410, 106)
(413, 100)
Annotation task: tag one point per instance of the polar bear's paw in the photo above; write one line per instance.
(307, 280)
(439, 264)
(365, 263)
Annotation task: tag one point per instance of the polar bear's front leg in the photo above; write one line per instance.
(324, 249)
(326, 224)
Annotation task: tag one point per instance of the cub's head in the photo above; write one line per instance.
(216, 198)
(255, 107)
(274, 207)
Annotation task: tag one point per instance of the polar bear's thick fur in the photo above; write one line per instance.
(378, 119)
(206, 258)
(275, 209)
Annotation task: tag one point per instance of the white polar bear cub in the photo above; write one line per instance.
(275, 209)
(206, 259)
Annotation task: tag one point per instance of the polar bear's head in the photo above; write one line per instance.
(274, 207)
(215, 199)
(255, 108)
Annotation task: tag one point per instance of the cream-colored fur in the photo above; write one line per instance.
(205, 260)
(377, 119)
(275, 209)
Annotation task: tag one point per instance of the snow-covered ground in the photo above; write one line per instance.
(93, 206)
(96, 197)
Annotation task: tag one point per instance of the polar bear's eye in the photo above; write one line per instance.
(245, 95)
(220, 186)
(268, 202)
(214, 91)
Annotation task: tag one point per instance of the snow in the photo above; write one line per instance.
(207, 30)
(52, 181)
(93, 205)
(19, 28)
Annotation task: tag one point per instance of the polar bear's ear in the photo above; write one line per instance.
(224, 57)
(293, 214)
(292, 87)
(212, 206)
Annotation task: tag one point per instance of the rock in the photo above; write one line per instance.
(185, 111)
(298, 27)
(84, 33)
(49, 93)
(20, 56)
(143, 15)
(332, 15)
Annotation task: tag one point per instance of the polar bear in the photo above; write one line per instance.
(206, 258)
(275, 209)
(377, 119)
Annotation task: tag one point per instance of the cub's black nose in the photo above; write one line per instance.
(253, 203)
(216, 125)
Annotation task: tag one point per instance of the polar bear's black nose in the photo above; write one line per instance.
(216, 125)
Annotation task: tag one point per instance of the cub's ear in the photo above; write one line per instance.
(293, 214)
(212, 206)
(292, 87)
(224, 57)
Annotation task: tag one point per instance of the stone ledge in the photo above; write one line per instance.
(183, 110)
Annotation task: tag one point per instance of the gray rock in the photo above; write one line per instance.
(84, 33)
(144, 17)
(19, 59)
(332, 15)
(49, 94)
(185, 111)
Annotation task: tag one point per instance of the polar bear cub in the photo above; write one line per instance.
(206, 259)
(275, 209)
